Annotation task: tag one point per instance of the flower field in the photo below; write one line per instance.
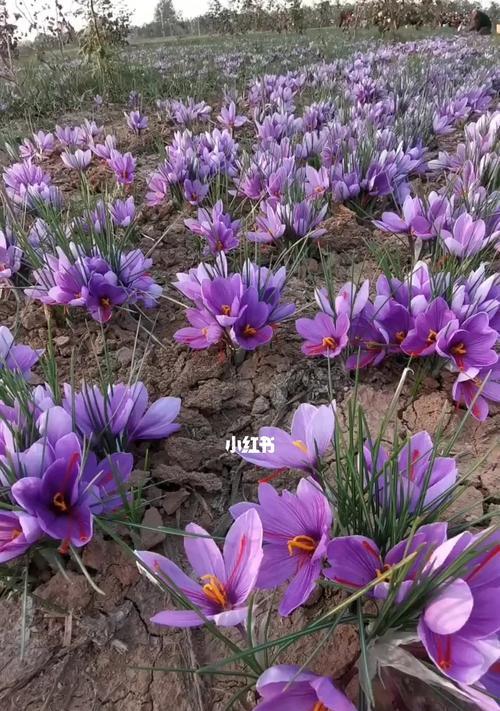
(250, 378)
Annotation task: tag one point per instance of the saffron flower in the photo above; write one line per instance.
(297, 528)
(217, 228)
(227, 578)
(18, 532)
(229, 119)
(79, 160)
(104, 150)
(17, 358)
(467, 237)
(123, 212)
(136, 121)
(469, 345)
(102, 294)
(64, 492)
(421, 339)
(460, 624)
(421, 478)
(356, 561)
(59, 500)
(310, 437)
(252, 329)
(120, 412)
(477, 391)
(323, 335)
(413, 223)
(123, 166)
(290, 687)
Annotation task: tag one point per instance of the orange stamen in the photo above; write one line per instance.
(249, 330)
(300, 445)
(302, 543)
(431, 337)
(215, 591)
(400, 336)
(15, 534)
(226, 309)
(105, 302)
(60, 502)
(459, 350)
(329, 342)
(319, 706)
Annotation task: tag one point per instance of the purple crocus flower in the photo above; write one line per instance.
(418, 470)
(317, 182)
(269, 226)
(356, 561)
(251, 329)
(290, 688)
(413, 223)
(123, 166)
(194, 190)
(136, 121)
(123, 212)
(101, 294)
(229, 119)
(59, 500)
(227, 578)
(122, 411)
(469, 345)
(310, 437)
(216, 227)
(18, 358)
(467, 237)
(323, 335)
(222, 296)
(475, 392)
(104, 150)
(460, 624)
(204, 331)
(421, 340)
(79, 160)
(369, 340)
(18, 532)
(296, 532)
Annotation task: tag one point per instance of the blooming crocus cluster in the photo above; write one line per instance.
(239, 310)
(417, 318)
(217, 227)
(193, 163)
(27, 185)
(91, 282)
(109, 419)
(459, 232)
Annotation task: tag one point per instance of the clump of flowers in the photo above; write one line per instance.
(217, 227)
(93, 283)
(425, 316)
(233, 310)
